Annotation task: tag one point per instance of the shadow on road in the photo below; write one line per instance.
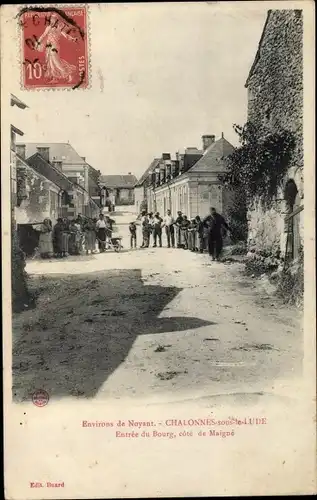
(83, 328)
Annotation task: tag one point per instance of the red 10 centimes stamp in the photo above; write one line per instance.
(40, 398)
(55, 51)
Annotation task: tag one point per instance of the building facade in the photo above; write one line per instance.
(38, 197)
(275, 104)
(191, 182)
(63, 157)
(120, 187)
(141, 187)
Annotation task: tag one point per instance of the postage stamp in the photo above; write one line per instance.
(55, 52)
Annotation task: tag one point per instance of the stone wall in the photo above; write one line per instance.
(275, 103)
(265, 228)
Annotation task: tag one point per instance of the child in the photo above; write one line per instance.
(132, 229)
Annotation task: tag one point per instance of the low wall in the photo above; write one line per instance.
(266, 229)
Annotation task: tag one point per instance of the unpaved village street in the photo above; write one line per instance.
(156, 323)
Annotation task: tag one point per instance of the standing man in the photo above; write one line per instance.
(157, 229)
(215, 224)
(151, 226)
(168, 223)
(146, 231)
(132, 230)
(178, 224)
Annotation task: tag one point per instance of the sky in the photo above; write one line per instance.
(162, 76)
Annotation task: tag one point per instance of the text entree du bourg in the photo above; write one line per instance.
(184, 427)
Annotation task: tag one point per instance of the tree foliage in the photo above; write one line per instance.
(258, 166)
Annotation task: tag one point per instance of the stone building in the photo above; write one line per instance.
(140, 188)
(190, 182)
(63, 157)
(275, 104)
(39, 192)
(120, 186)
(43, 191)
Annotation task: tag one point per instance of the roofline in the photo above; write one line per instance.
(90, 199)
(117, 186)
(50, 165)
(118, 175)
(15, 101)
(257, 55)
(16, 130)
(37, 173)
(153, 163)
(49, 180)
(47, 144)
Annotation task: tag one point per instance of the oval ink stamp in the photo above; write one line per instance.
(55, 52)
(40, 398)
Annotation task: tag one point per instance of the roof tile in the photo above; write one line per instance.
(44, 168)
(213, 159)
(152, 165)
(58, 150)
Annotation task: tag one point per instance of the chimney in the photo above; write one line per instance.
(208, 140)
(173, 169)
(20, 149)
(166, 156)
(83, 158)
(44, 152)
(129, 173)
(162, 172)
(168, 171)
(181, 165)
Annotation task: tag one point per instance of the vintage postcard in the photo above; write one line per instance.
(158, 249)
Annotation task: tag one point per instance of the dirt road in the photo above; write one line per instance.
(157, 323)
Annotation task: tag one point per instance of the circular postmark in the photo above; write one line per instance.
(40, 398)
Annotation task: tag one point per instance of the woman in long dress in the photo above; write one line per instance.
(90, 235)
(65, 237)
(56, 67)
(45, 239)
(74, 239)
